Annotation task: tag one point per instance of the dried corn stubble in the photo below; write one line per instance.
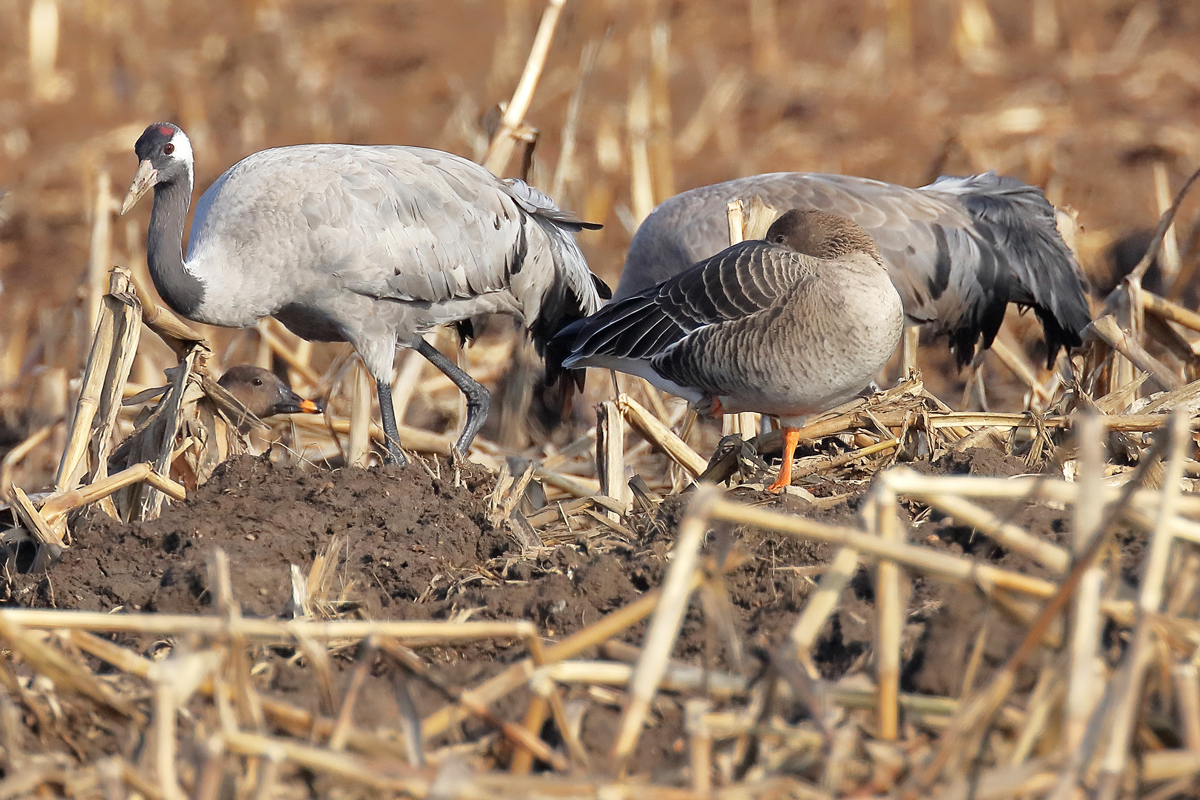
(741, 741)
(900, 416)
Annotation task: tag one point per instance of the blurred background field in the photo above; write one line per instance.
(1095, 101)
(1078, 97)
(638, 100)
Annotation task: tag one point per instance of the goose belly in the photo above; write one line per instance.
(802, 386)
(804, 363)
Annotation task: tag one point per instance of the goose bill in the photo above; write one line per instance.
(309, 407)
(296, 405)
(143, 181)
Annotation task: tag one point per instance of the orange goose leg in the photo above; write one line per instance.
(791, 438)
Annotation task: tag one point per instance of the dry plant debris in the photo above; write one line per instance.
(951, 603)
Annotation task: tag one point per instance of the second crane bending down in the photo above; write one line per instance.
(958, 251)
(374, 245)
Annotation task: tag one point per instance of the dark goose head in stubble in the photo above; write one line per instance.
(821, 234)
(263, 393)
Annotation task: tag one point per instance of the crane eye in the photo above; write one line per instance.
(168, 148)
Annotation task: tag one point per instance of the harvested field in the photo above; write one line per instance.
(982, 584)
(404, 545)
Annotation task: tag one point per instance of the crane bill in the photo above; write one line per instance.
(143, 180)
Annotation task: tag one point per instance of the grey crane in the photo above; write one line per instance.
(789, 325)
(373, 245)
(958, 250)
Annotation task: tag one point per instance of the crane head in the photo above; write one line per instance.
(164, 154)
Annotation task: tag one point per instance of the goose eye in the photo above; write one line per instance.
(779, 239)
(258, 381)
(168, 148)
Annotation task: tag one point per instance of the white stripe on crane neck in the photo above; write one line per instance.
(183, 152)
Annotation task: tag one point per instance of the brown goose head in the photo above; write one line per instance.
(821, 234)
(262, 392)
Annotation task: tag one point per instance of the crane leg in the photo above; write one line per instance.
(479, 402)
(387, 415)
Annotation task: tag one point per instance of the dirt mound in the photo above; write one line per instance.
(414, 543)
(411, 543)
(398, 528)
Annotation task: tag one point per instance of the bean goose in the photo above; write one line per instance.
(789, 325)
(958, 250)
(373, 245)
(263, 393)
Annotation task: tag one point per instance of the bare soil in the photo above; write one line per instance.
(411, 544)
(408, 544)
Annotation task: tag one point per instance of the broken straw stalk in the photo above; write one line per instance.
(949, 492)
(1034, 766)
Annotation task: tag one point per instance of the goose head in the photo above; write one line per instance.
(821, 234)
(262, 392)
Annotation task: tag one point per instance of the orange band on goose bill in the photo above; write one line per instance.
(309, 407)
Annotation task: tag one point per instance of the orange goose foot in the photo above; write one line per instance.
(791, 438)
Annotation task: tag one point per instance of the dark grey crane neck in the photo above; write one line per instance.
(182, 291)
